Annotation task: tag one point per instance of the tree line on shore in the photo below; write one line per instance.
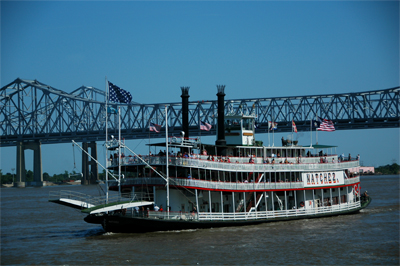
(393, 169)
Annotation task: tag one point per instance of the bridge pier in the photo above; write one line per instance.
(89, 177)
(37, 164)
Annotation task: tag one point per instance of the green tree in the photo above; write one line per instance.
(6, 178)
(393, 169)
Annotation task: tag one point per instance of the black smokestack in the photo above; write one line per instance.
(185, 110)
(221, 123)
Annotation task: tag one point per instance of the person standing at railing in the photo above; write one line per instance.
(349, 157)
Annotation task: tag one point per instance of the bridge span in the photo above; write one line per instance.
(33, 113)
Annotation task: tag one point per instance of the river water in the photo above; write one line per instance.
(35, 231)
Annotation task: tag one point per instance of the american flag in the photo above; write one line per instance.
(118, 95)
(294, 126)
(155, 127)
(326, 125)
(205, 126)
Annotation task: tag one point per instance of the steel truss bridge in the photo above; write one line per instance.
(31, 111)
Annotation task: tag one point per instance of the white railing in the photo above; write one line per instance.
(187, 216)
(220, 185)
(352, 180)
(88, 200)
(233, 166)
(207, 216)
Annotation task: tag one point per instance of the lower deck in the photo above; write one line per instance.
(145, 220)
(209, 204)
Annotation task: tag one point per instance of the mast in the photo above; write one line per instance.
(311, 132)
(166, 151)
(106, 140)
(292, 129)
(119, 151)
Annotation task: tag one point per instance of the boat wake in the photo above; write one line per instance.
(177, 231)
(90, 232)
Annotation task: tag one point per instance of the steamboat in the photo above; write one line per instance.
(187, 184)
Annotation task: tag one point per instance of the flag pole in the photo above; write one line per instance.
(316, 134)
(106, 98)
(273, 132)
(292, 130)
(119, 150)
(166, 143)
(149, 138)
(269, 142)
(311, 132)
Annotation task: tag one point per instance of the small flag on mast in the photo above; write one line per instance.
(155, 127)
(294, 126)
(272, 125)
(316, 123)
(205, 126)
(326, 125)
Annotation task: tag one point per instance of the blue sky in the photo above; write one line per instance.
(257, 49)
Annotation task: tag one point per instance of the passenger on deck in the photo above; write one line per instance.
(349, 157)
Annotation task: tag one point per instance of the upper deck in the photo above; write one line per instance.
(238, 164)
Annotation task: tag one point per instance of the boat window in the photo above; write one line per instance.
(232, 124)
(247, 123)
